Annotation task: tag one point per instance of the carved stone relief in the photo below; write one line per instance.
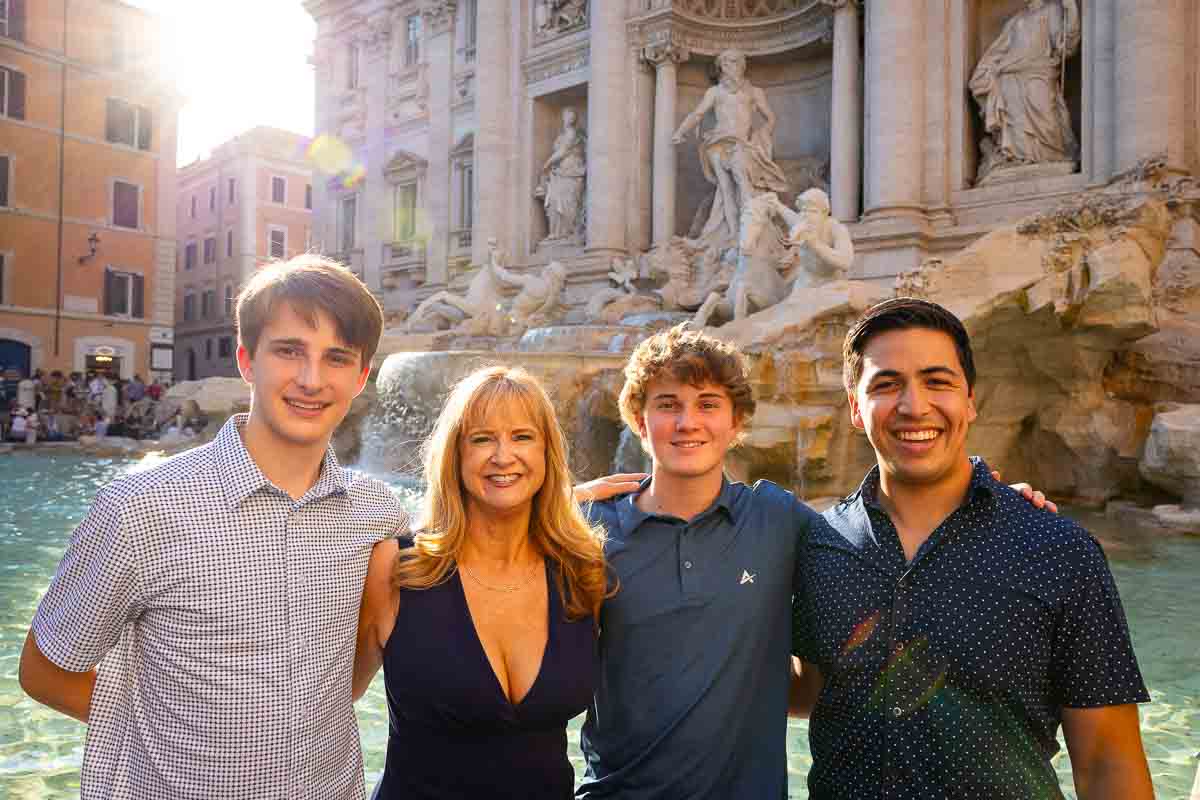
(556, 17)
(439, 15)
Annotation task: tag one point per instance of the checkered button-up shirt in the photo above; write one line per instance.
(222, 615)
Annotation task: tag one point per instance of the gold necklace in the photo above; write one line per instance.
(509, 589)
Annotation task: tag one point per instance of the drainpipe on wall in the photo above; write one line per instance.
(62, 148)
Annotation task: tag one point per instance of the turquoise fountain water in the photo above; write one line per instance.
(42, 497)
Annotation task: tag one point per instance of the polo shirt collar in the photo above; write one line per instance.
(241, 476)
(629, 516)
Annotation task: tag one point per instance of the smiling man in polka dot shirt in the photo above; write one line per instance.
(946, 627)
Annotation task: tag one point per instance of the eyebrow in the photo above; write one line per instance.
(294, 342)
(937, 369)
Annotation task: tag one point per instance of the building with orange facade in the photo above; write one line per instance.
(247, 204)
(87, 189)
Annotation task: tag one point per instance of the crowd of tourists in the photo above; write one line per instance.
(215, 617)
(58, 407)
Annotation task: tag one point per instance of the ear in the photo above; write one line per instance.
(362, 380)
(245, 364)
(972, 413)
(855, 412)
(642, 430)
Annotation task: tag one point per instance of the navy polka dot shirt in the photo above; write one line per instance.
(945, 676)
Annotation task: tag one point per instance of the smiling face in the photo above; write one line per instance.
(502, 459)
(687, 429)
(914, 403)
(303, 378)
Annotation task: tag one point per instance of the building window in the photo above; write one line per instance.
(124, 294)
(229, 244)
(308, 196)
(347, 211)
(12, 93)
(189, 255)
(12, 19)
(208, 303)
(225, 347)
(412, 40)
(466, 197)
(278, 190)
(128, 124)
(352, 66)
(229, 299)
(210, 250)
(470, 28)
(125, 202)
(406, 212)
(277, 247)
(232, 191)
(208, 349)
(5, 167)
(192, 209)
(3, 264)
(212, 198)
(189, 307)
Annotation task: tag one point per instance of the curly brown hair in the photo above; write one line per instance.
(691, 357)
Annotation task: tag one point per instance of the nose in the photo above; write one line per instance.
(503, 454)
(913, 400)
(309, 378)
(685, 420)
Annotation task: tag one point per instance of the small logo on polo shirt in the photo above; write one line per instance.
(747, 577)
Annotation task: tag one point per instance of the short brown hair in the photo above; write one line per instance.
(898, 314)
(691, 357)
(310, 283)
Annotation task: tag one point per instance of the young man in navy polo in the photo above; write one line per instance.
(946, 627)
(692, 695)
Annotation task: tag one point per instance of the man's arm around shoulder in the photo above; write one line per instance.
(1107, 759)
(67, 692)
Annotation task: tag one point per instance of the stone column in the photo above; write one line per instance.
(376, 200)
(666, 58)
(439, 57)
(641, 209)
(494, 137)
(845, 157)
(609, 145)
(1151, 69)
(895, 81)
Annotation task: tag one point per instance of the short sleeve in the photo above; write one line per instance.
(93, 594)
(1094, 663)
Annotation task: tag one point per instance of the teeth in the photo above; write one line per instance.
(503, 480)
(917, 436)
(689, 444)
(306, 406)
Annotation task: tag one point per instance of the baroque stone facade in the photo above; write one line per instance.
(437, 118)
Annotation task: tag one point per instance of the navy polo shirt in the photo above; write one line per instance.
(692, 688)
(946, 676)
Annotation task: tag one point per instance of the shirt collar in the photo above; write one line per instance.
(241, 476)
(982, 486)
(629, 516)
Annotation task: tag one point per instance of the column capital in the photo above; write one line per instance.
(439, 15)
(665, 52)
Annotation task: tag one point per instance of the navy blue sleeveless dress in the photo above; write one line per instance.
(452, 731)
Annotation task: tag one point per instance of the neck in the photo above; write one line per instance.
(293, 468)
(682, 497)
(917, 509)
(498, 542)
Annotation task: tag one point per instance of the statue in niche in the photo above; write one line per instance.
(560, 16)
(563, 182)
(1018, 85)
(819, 247)
(734, 155)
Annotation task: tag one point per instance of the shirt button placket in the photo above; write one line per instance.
(895, 713)
(295, 648)
(687, 564)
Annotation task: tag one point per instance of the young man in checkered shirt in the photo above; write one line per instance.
(202, 620)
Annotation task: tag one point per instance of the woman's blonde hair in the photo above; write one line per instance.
(557, 527)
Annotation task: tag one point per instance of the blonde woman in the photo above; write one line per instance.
(485, 620)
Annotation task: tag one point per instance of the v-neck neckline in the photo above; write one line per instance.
(481, 651)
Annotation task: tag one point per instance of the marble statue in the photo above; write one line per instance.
(735, 155)
(483, 297)
(563, 178)
(610, 304)
(539, 300)
(756, 282)
(560, 16)
(1019, 87)
(819, 247)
